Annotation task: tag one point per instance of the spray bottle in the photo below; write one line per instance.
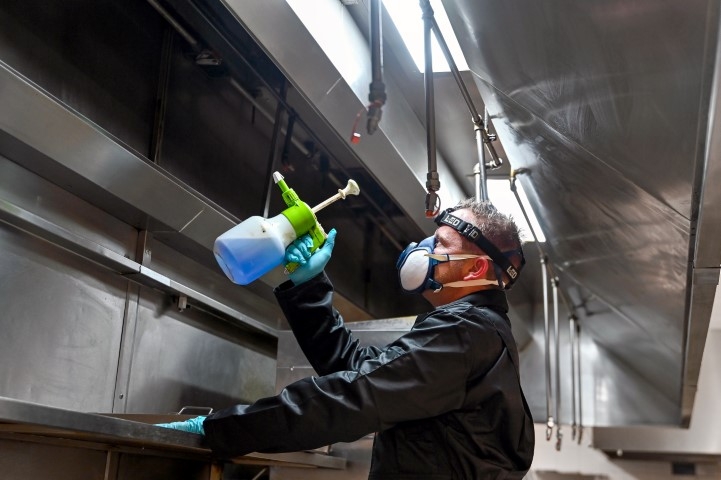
(255, 246)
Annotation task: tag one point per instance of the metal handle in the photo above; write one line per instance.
(205, 410)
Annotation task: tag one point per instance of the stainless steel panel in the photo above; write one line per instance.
(44, 200)
(177, 363)
(614, 132)
(61, 322)
(706, 262)
(81, 222)
(19, 460)
(702, 436)
(26, 417)
(78, 146)
(255, 307)
(585, 72)
(64, 316)
(106, 72)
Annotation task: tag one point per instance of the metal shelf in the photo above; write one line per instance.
(132, 433)
(134, 271)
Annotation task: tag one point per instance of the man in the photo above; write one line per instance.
(445, 398)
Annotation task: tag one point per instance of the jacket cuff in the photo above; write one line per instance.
(288, 289)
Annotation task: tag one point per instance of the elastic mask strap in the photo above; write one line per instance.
(499, 276)
(472, 233)
(437, 258)
(470, 283)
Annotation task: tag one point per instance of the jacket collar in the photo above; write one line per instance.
(495, 299)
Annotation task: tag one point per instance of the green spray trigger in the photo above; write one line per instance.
(302, 218)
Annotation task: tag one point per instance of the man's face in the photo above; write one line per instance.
(450, 241)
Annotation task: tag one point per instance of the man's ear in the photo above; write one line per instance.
(479, 270)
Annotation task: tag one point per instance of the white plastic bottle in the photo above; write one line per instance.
(253, 247)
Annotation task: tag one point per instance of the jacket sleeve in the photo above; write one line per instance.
(319, 329)
(420, 375)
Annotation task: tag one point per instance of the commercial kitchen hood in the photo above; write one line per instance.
(618, 137)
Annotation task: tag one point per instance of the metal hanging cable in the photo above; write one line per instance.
(485, 136)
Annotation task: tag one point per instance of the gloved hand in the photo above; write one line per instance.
(310, 264)
(193, 425)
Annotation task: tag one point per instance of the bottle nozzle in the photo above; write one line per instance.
(350, 189)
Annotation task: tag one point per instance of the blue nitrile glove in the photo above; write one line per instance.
(310, 264)
(193, 425)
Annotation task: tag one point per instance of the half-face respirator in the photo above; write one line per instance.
(417, 262)
(415, 267)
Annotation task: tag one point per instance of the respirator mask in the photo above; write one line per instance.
(416, 264)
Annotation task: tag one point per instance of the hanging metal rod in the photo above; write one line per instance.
(548, 269)
(550, 423)
(483, 136)
(557, 351)
(433, 184)
(480, 123)
(575, 394)
(377, 93)
(552, 274)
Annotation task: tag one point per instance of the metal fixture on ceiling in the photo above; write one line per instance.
(480, 125)
(377, 94)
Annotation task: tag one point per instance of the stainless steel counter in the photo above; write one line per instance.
(30, 421)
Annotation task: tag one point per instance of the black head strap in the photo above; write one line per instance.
(472, 233)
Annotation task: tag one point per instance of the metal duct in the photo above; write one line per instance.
(620, 136)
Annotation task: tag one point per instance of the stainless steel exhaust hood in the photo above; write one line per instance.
(619, 136)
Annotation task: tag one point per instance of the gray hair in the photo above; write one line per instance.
(497, 227)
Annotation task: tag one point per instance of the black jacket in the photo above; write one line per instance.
(445, 398)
